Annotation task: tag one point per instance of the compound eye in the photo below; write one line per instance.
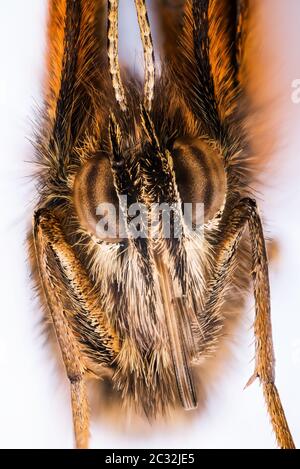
(96, 200)
(200, 176)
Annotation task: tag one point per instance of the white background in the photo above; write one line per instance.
(34, 399)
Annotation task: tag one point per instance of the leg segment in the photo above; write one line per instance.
(66, 289)
(265, 361)
(246, 212)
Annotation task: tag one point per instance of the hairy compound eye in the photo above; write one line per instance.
(200, 176)
(96, 200)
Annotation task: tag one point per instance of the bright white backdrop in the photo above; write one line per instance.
(34, 400)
